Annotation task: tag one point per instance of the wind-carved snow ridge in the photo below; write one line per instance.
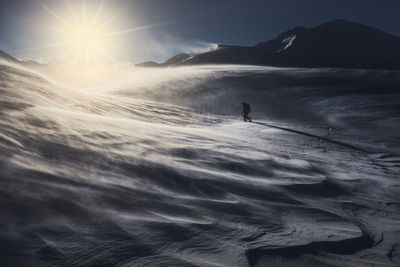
(288, 42)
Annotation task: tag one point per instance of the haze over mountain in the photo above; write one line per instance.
(338, 43)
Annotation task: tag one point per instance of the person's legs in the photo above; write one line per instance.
(246, 117)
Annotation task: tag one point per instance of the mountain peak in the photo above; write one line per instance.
(337, 43)
(340, 21)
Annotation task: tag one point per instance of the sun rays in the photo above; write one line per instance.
(86, 38)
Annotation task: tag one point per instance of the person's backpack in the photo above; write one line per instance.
(247, 107)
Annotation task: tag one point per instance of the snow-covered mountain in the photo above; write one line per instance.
(338, 43)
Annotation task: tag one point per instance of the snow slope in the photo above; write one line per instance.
(156, 168)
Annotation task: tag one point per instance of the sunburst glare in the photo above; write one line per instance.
(86, 41)
(86, 37)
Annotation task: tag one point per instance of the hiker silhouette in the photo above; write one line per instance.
(246, 111)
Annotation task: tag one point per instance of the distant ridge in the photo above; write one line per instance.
(7, 57)
(338, 43)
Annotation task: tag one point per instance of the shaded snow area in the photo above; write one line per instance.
(287, 42)
(156, 168)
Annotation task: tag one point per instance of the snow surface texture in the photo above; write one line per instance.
(157, 168)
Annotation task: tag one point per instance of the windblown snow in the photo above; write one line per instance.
(156, 168)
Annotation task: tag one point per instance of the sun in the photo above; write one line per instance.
(87, 42)
(84, 37)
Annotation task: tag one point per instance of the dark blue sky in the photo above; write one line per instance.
(192, 24)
